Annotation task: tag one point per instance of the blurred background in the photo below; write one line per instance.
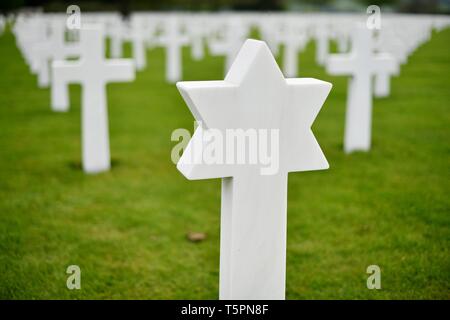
(126, 6)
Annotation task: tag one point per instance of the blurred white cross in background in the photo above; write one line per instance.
(361, 64)
(93, 72)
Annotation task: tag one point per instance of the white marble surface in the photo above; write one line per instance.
(256, 95)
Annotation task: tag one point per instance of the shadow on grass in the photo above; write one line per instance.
(77, 166)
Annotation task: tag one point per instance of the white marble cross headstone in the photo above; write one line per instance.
(342, 41)
(270, 28)
(173, 40)
(93, 72)
(361, 64)
(294, 40)
(322, 43)
(137, 35)
(2, 24)
(388, 47)
(382, 83)
(234, 36)
(54, 48)
(118, 33)
(28, 33)
(197, 30)
(388, 41)
(254, 96)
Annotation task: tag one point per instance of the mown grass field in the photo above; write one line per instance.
(126, 229)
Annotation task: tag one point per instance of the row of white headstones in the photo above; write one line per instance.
(42, 39)
(254, 94)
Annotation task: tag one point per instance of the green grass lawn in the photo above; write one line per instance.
(126, 229)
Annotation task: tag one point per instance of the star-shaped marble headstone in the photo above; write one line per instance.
(254, 96)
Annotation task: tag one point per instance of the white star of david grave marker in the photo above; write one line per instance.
(254, 97)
